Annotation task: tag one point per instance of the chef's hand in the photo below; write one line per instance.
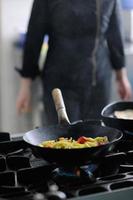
(23, 104)
(123, 85)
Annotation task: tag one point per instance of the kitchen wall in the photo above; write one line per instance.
(127, 20)
(13, 19)
(14, 16)
(0, 67)
(127, 17)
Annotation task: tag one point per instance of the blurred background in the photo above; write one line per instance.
(14, 15)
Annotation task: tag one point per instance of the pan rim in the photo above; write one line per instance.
(111, 104)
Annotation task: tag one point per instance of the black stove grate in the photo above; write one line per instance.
(22, 175)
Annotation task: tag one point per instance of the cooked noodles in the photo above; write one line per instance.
(70, 143)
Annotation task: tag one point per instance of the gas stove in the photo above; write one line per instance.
(23, 176)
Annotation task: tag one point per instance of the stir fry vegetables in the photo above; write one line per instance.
(70, 143)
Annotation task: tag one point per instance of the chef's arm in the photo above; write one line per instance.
(37, 28)
(123, 85)
(117, 56)
(115, 38)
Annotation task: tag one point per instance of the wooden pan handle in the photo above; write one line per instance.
(60, 106)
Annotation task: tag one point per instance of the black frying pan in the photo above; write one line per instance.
(70, 156)
(126, 125)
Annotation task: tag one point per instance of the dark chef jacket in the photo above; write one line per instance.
(78, 31)
(85, 42)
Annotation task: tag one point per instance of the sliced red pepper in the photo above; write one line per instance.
(82, 140)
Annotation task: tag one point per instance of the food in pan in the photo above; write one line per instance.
(124, 114)
(70, 143)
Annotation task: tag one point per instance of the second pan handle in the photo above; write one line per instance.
(60, 106)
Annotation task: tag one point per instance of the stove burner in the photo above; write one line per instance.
(74, 176)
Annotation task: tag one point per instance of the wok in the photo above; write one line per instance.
(69, 157)
(126, 125)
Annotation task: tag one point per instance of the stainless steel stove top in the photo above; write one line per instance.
(123, 194)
